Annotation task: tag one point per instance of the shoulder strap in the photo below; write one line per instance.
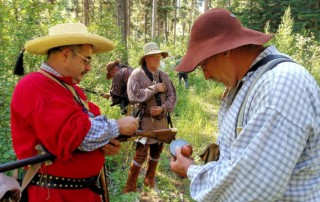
(69, 87)
(269, 63)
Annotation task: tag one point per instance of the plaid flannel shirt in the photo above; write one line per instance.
(276, 157)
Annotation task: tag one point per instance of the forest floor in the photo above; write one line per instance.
(148, 195)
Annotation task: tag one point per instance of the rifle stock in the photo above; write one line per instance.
(162, 135)
(104, 184)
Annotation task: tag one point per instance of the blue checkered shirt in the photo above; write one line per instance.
(102, 129)
(276, 157)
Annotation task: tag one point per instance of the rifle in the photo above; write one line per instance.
(93, 92)
(162, 135)
(25, 162)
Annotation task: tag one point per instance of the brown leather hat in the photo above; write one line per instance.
(110, 66)
(215, 31)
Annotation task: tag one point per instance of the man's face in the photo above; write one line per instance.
(79, 63)
(219, 68)
(153, 61)
(114, 71)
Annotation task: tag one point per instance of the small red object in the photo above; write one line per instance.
(186, 150)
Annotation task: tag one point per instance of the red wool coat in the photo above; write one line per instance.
(42, 111)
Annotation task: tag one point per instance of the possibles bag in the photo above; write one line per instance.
(211, 153)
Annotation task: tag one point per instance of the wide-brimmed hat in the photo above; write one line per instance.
(68, 34)
(150, 49)
(110, 66)
(215, 31)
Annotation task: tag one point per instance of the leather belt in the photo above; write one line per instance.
(50, 181)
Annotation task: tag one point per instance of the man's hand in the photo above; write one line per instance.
(180, 164)
(112, 148)
(9, 188)
(156, 110)
(106, 95)
(160, 87)
(128, 125)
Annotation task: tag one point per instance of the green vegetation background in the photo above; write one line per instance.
(195, 115)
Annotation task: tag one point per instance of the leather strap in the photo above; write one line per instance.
(65, 85)
(50, 181)
(33, 169)
(266, 64)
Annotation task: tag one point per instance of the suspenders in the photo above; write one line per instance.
(269, 63)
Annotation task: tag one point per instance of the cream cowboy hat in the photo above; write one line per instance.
(150, 49)
(215, 31)
(68, 34)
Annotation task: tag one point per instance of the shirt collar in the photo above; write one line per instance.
(270, 50)
(45, 67)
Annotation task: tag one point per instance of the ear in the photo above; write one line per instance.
(65, 53)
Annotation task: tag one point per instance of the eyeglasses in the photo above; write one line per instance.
(157, 57)
(86, 59)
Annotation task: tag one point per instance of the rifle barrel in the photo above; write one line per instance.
(91, 91)
(25, 162)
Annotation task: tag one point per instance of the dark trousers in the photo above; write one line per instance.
(184, 76)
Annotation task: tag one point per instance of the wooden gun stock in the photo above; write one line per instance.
(162, 135)
(104, 184)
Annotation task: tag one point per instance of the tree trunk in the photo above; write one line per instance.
(125, 29)
(145, 21)
(175, 22)
(128, 14)
(76, 9)
(206, 5)
(119, 13)
(86, 12)
(193, 3)
(154, 17)
(122, 19)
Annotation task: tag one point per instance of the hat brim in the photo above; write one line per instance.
(163, 53)
(198, 52)
(111, 65)
(40, 46)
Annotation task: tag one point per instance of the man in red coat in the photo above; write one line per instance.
(48, 108)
